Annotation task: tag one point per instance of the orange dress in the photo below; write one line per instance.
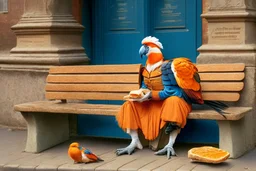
(151, 116)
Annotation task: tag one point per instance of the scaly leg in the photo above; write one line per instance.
(135, 143)
(168, 149)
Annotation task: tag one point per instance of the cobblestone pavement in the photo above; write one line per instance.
(12, 158)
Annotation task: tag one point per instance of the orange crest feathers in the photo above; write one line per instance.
(74, 144)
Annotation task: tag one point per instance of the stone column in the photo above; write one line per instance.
(47, 34)
(231, 38)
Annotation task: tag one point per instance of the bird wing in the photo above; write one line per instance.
(187, 78)
(90, 155)
(185, 73)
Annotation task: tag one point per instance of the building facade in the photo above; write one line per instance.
(38, 34)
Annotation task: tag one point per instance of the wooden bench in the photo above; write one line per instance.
(48, 122)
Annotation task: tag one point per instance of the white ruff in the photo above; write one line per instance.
(153, 40)
(153, 50)
(154, 66)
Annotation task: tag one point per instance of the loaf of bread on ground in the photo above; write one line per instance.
(208, 154)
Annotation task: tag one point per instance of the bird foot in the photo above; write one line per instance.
(168, 149)
(129, 149)
(75, 162)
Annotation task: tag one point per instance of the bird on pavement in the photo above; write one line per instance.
(81, 155)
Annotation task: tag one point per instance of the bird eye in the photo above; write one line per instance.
(146, 49)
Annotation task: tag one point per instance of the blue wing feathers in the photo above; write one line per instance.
(167, 74)
(86, 151)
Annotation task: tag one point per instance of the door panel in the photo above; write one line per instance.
(119, 28)
(124, 27)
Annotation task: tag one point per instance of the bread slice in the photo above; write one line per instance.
(136, 94)
(208, 154)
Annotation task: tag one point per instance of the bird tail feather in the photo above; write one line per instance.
(99, 159)
(217, 106)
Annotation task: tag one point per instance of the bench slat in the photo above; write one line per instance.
(222, 86)
(235, 113)
(221, 67)
(206, 86)
(91, 69)
(74, 108)
(111, 78)
(221, 96)
(222, 76)
(84, 95)
(92, 87)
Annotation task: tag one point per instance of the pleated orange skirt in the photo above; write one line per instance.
(151, 116)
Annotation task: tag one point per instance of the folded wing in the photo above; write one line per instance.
(187, 78)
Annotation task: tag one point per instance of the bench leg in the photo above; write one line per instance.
(234, 138)
(45, 130)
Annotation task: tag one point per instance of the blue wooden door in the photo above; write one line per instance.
(118, 26)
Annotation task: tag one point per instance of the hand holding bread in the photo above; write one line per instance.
(138, 95)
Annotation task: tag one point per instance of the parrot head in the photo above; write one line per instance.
(74, 144)
(151, 48)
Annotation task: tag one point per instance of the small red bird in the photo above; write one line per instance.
(81, 155)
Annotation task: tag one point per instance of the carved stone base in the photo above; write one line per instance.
(227, 54)
(48, 34)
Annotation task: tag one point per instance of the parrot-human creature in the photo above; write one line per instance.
(81, 155)
(176, 80)
(179, 72)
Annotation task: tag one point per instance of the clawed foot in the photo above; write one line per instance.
(129, 149)
(168, 149)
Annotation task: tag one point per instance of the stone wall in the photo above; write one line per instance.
(7, 20)
(18, 87)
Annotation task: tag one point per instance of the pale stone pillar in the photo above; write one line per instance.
(231, 38)
(48, 34)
